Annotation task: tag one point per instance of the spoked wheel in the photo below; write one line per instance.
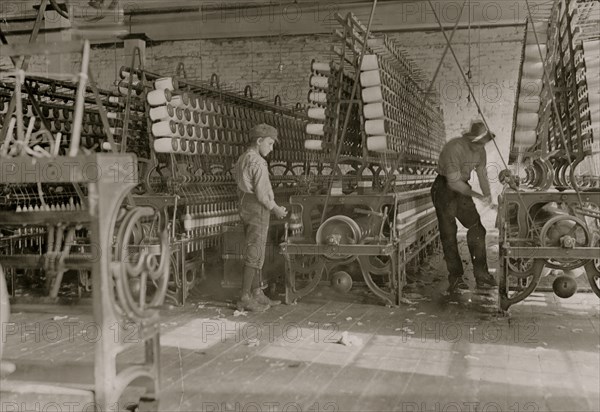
(140, 262)
(565, 231)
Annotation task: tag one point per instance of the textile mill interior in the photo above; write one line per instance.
(293, 205)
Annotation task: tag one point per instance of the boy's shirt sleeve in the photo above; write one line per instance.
(255, 179)
(262, 186)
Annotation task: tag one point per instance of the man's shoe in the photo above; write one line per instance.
(263, 299)
(486, 281)
(251, 304)
(457, 285)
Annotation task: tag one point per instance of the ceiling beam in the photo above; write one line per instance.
(189, 20)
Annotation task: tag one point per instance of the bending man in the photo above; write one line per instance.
(453, 199)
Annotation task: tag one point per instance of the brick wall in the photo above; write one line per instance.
(495, 55)
(495, 58)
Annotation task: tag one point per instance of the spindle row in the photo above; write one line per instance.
(399, 119)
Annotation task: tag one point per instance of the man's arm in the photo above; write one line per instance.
(483, 181)
(456, 184)
(481, 171)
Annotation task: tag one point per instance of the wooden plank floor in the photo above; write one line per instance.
(428, 356)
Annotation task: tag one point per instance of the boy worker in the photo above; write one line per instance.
(256, 204)
(453, 199)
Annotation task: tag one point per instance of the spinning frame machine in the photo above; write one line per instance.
(186, 137)
(67, 206)
(381, 133)
(549, 211)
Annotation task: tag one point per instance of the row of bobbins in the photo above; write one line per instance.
(317, 97)
(207, 119)
(198, 216)
(194, 147)
(591, 71)
(58, 115)
(415, 112)
(528, 106)
(395, 122)
(373, 109)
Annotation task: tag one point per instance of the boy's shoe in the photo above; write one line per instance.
(486, 281)
(263, 299)
(251, 304)
(457, 285)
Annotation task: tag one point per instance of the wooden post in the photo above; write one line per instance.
(58, 33)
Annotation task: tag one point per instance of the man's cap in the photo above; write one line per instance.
(263, 130)
(478, 131)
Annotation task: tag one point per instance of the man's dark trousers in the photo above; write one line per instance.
(449, 206)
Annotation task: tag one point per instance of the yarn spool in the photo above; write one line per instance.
(532, 53)
(592, 64)
(373, 110)
(531, 87)
(378, 144)
(317, 113)
(313, 144)
(166, 145)
(372, 94)
(320, 67)
(533, 70)
(369, 62)
(162, 113)
(527, 120)
(177, 101)
(317, 97)
(529, 104)
(375, 127)
(320, 82)
(158, 97)
(136, 87)
(164, 128)
(165, 83)
(370, 78)
(525, 139)
(315, 129)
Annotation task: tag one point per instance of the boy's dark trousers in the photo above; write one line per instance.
(255, 218)
(449, 206)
